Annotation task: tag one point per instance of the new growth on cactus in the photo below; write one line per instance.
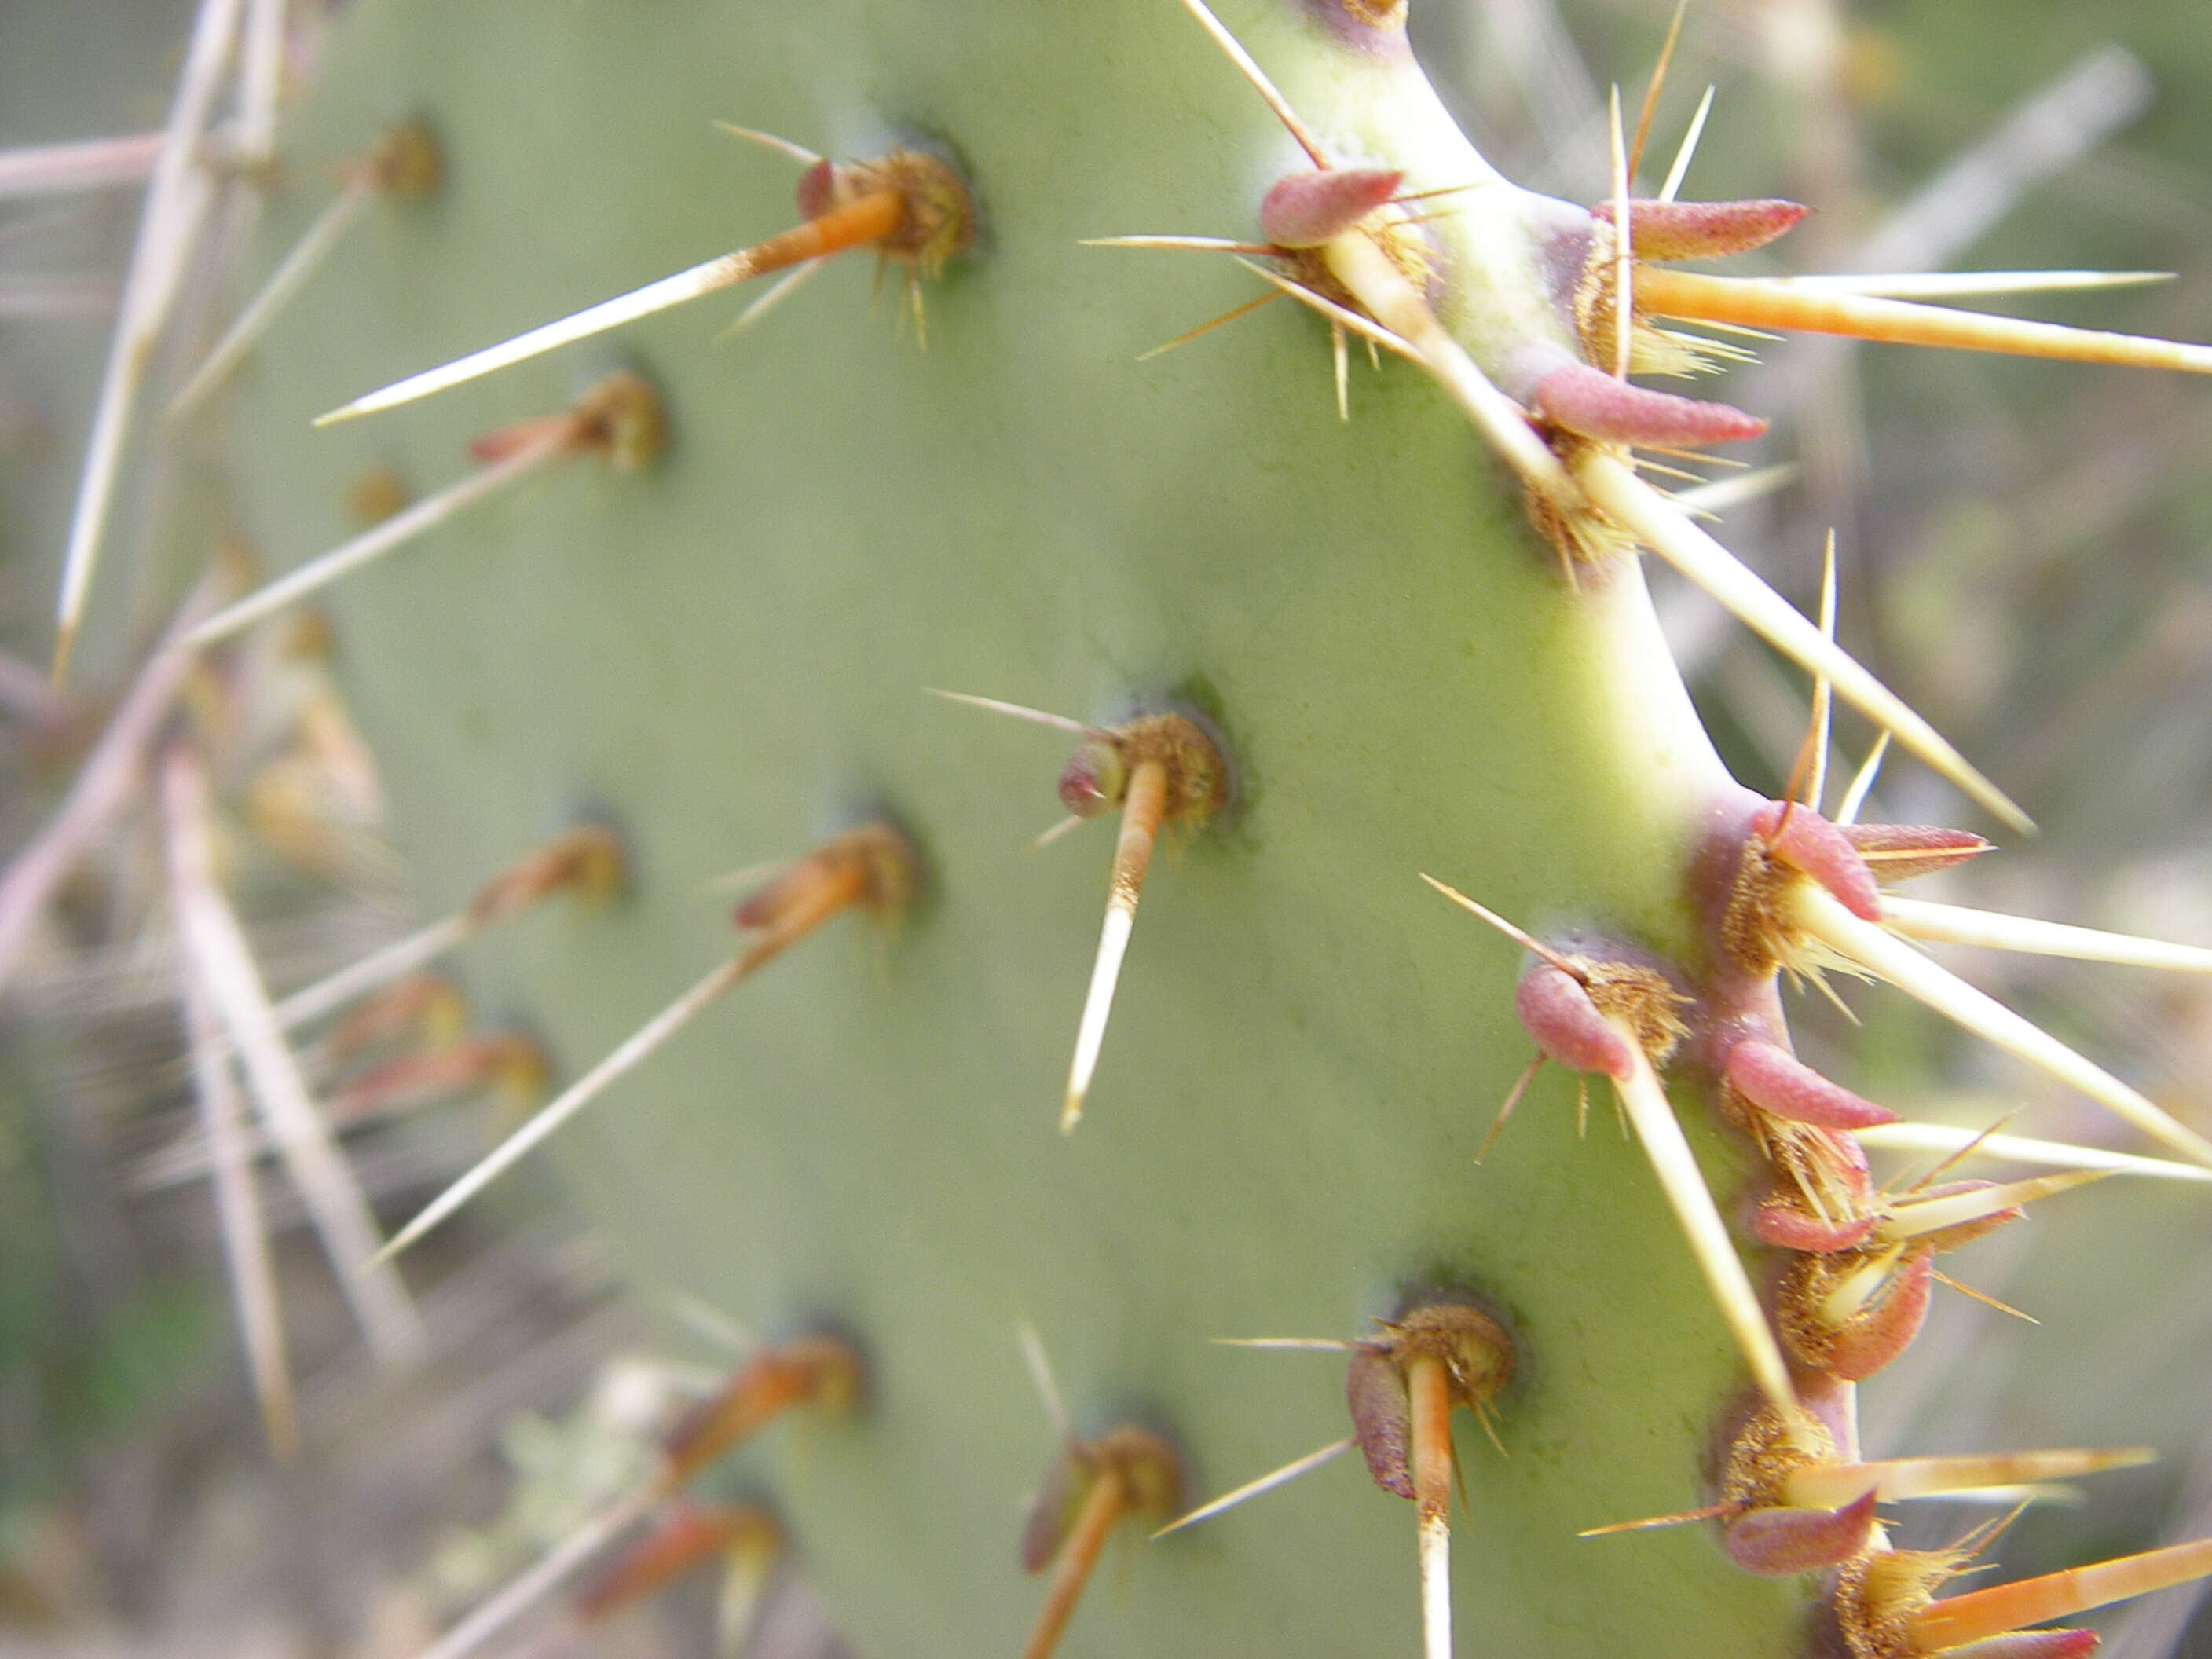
(1092, 1486)
(1161, 770)
(1426, 631)
(1401, 1386)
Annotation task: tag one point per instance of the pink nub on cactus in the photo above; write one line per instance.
(1093, 1488)
(1402, 1388)
(815, 192)
(1308, 209)
(1807, 842)
(1094, 778)
(1885, 1329)
(1777, 1542)
(1592, 404)
(1788, 1226)
(1556, 1010)
(1776, 1081)
(1703, 230)
(1375, 1393)
(1899, 852)
(1472, 1349)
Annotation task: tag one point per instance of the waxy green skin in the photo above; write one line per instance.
(728, 653)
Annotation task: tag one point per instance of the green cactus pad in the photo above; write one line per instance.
(728, 652)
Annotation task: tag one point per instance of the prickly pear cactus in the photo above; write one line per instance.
(723, 653)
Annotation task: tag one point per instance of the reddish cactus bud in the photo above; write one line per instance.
(815, 192)
(1899, 852)
(1093, 1486)
(1144, 1467)
(503, 441)
(502, 1059)
(1703, 230)
(1308, 209)
(588, 861)
(823, 1372)
(688, 1535)
(1375, 1391)
(1885, 1327)
(1593, 404)
(1097, 776)
(872, 867)
(1775, 1080)
(1787, 1227)
(1824, 1201)
(1476, 1357)
(1044, 1529)
(1557, 1012)
(1807, 842)
(1777, 1542)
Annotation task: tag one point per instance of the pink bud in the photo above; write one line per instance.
(1381, 1419)
(1787, 1227)
(1096, 776)
(1804, 840)
(1044, 1529)
(1561, 1018)
(1899, 852)
(1703, 230)
(817, 190)
(1885, 1327)
(1596, 404)
(501, 442)
(1776, 1081)
(1775, 1542)
(1308, 209)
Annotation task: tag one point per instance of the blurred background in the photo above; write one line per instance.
(2024, 553)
